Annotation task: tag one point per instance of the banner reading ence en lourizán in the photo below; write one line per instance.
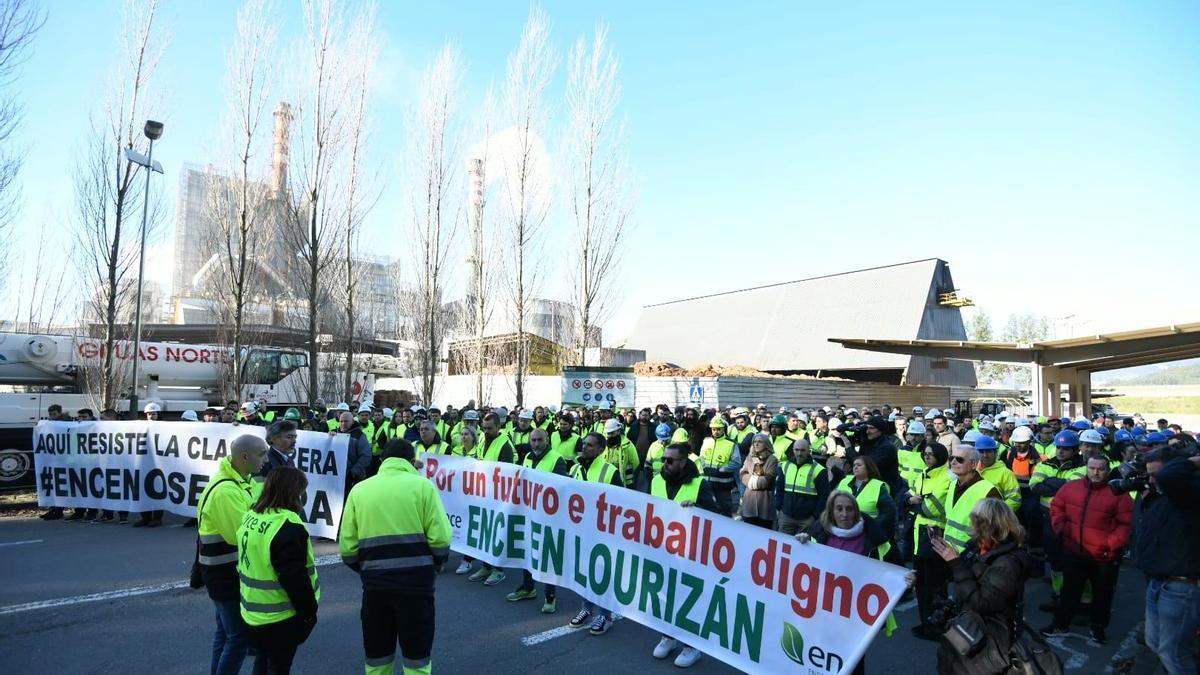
(758, 600)
(143, 466)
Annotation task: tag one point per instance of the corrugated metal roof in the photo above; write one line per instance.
(786, 326)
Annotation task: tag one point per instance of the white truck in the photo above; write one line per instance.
(37, 371)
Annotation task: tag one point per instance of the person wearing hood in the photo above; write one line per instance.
(879, 443)
(358, 451)
(929, 511)
(844, 526)
(620, 452)
(801, 489)
(680, 481)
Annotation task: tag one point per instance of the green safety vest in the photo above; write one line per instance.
(599, 472)
(688, 492)
(1046, 470)
(332, 424)
(1005, 481)
(654, 457)
(491, 450)
(737, 436)
(263, 599)
(781, 444)
(801, 479)
(912, 465)
(567, 448)
(817, 442)
(442, 448)
(958, 513)
(1046, 450)
(932, 486)
(518, 437)
(625, 458)
(546, 463)
(268, 416)
(868, 502)
(715, 454)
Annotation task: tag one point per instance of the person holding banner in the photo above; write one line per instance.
(277, 574)
(679, 480)
(226, 498)
(801, 489)
(496, 447)
(431, 441)
(395, 534)
(541, 457)
(592, 468)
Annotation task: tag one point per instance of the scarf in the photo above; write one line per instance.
(850, 533)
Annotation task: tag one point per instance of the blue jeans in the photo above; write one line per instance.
(1172, 613)
(596, 609)
(230, 640)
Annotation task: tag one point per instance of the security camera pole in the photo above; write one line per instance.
(153, 131)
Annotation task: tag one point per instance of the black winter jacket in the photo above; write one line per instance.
(1167, 523)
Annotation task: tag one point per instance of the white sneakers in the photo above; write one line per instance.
(665, 647)
(686, 659)
(463, 567)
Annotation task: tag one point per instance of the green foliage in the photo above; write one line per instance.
(1189, 374)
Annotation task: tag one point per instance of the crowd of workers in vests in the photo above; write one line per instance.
(905, 487)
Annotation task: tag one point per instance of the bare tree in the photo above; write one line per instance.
(600, 196)
(20, 20)
(238, 201)
(358, 199)
(106, 193)
(527, 187)
(435, 199)
(315, 231)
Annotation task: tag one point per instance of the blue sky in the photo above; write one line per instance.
(1049, 151)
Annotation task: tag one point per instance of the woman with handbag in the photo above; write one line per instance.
(278, 577)
(988, 586)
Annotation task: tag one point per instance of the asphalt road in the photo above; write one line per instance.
(82, 598)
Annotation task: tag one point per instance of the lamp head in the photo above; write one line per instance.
(153, 130)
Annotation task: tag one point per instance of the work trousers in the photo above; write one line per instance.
(275, 645)
(792, 526)
(390, 618)
(724, 495)
(1054, 553)
(1077, 571)
(528, 584)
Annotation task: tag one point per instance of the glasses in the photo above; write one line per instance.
(671, 460)
(958, 460)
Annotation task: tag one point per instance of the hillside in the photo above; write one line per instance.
(1182, 374)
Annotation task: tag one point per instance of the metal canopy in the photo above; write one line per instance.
(1091, 353)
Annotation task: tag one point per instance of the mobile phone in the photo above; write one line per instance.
(935, 533)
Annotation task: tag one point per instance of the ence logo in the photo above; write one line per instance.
(816, 660)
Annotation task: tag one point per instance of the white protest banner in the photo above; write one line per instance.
(755, 599)
(144, 466)
(591, 386)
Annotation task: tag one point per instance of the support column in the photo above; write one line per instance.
(1047, 390)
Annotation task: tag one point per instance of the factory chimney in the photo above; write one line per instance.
(279, 159)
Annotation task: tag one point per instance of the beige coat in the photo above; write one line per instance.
(758, 477)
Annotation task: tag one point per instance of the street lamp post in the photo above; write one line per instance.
(153, 131)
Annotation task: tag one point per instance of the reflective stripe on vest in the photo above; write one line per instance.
(958, 513)
(688, 492)
(868, 497)
(599, 472)
(654, 457)
(801, 479)
(263, 599)
(716, 455)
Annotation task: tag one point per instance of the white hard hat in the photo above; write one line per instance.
(250, 407)
(1091, 436)
(835, 423)
(388, 412)
(343, 406)
(605, 405)
(190, 416)
(917, 427)
(851, 411)
(918, 410)
(525, 414)
(364, 408)
(948, 412)
(552, 408)
(1023, 421)
(970, 437)
(987, 426)
(613, 426)
(931, 414)
(471, 415)
(1022, 435)
(152, 407)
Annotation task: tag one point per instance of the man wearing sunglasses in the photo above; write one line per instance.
(968, 489)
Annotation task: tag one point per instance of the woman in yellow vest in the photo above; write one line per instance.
(278, 578)
(926, 503)
(468, 443)
(872, 494)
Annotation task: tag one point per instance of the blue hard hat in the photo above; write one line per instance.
(1066, 421)
(663, 432)
(1167, 432)
(1123, 436)
(1081, 425)
(1066, 439)
(1155, 438)
(1103, 431)
(986, 444)
(1139, 431)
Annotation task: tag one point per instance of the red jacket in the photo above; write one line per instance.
(1090, 520)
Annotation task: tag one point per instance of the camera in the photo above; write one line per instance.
(1133, 478)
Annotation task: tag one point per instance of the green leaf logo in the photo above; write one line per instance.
(792, 643)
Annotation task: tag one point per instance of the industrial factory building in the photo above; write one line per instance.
(785, 328)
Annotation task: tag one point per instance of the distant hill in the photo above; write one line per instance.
(1187, 373)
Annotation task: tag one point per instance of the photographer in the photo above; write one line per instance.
(1167, 549)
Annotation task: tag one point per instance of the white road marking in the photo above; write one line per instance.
(321, 561)
(547, 635)
(18, 543)
(1126, 651)
(1075, 660)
